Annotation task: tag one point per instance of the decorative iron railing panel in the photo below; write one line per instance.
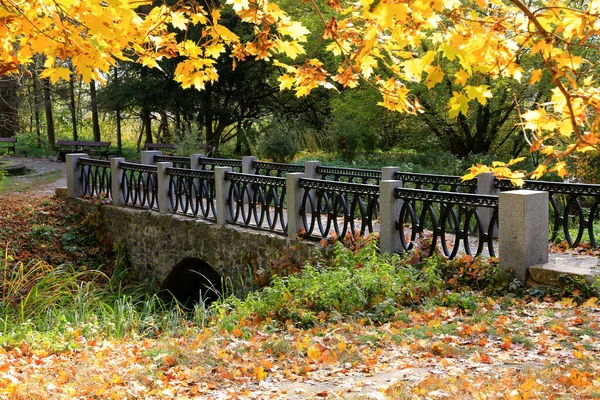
(139, 185)
(338, 208)
(209, 164)
(257, 201)
(350, 175)
(192, 192)
(574, 209)
(95, 177)
(178, 162)
(275, 169)
(453, 218)
(447, 183)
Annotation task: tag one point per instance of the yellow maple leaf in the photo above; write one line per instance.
(56, 73)
(214, 50)
(458, 103)
(290, 49)
(239, 5)
(539, 171)
(286, 82)
(179, 20)
(460, 78)
(434, 76)
(560, 168)
(479, 93)
(590, 303)
(295, 30)
(536, 75)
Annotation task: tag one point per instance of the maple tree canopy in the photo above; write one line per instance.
(383, 43)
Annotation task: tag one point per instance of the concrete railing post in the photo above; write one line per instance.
(486, 184)
(387, 173)
(310, 169)
(147, 156)
(222, 194)
(293, 193)
(248, 168)
(195, 161)
(116, 176)
(248, 164)
(389, 215)
(74, 188)
(523, 236)
(162, 180)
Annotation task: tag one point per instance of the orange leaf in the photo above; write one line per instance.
(313, 353)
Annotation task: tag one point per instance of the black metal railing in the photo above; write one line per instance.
(574, 209)
(453, 218)
(95, 177)
(192, 192)
(178, 162)
(139, 185)
(350, 175)
(445, 183)
(209, 164)
(275, 169)
(257, 201)
(338, 208)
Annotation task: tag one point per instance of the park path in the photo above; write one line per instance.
(45, 174)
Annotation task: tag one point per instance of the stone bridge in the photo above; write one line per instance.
(194, 224)
(184, 254)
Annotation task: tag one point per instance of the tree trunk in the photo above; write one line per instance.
(36, 105)
(72, 105)
(118, 112)
(95, 123)
(49, 118)
(212, 138)
(147, 124)
(9, 106)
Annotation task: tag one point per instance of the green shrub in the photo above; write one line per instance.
(352, 283)
(278, 144)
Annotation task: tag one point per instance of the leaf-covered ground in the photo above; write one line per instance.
(507, 348)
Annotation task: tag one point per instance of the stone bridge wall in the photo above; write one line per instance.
(156, 243)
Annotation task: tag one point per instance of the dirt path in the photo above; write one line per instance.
(43, 175)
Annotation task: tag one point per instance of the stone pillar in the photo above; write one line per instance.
(195, 161)
(116, 176)
(147, 156)
(389, 215)
(74, 188)
(248, 168)
(310, 169)
(247, 165)
(523, 220)
(162, 181)
(387, 173)
(293, 194)
(486, 184)
(221, 195)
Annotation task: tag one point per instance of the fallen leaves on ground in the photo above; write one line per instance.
(535, 349)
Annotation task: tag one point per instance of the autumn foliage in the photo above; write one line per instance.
(384, 43)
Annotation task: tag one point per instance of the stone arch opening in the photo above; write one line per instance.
(192, 281)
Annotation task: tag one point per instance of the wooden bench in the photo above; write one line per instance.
(8, 143)
(70, 146)
(167, 147)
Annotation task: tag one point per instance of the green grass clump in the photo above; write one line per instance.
(56, 305)
(358, 283)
